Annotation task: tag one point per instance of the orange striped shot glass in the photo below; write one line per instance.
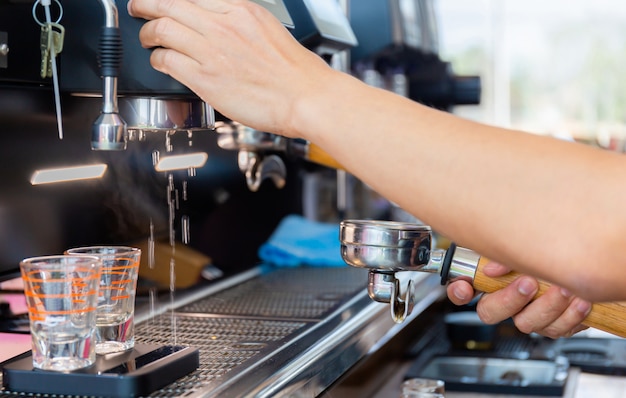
(61, 296)
(115, 329)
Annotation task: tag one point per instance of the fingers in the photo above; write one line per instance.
(186, 68)
(555, 314)
(498, 306)
(171, 22)
(150, 9)
(494, 269)
(460, 292)
(184, 33)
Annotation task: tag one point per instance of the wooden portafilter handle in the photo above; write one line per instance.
(609, 317)
(319, 156)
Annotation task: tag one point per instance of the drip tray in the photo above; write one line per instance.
(499, 375)
(140, 371)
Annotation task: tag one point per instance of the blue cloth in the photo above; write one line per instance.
(298, 241)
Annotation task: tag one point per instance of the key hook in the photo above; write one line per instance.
(41, 2)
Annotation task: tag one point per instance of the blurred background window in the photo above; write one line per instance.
(551, 67)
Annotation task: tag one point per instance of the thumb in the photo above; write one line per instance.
(495, 269)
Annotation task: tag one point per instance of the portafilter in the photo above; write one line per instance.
(388, 247)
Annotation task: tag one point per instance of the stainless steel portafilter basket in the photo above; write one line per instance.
(388, 247)
(384, 248)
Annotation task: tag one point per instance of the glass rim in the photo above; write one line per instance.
(94, 250)
(76, 259)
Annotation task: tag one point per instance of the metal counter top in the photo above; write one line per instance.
(274, 332)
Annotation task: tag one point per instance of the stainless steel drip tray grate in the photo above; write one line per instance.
(277, 330)
(235, 327)
(224, 344)
(292, 293)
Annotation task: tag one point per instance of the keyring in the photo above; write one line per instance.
(58, 3)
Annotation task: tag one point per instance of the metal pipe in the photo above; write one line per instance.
(109, 131)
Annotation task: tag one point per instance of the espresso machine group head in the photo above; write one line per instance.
(136, 99)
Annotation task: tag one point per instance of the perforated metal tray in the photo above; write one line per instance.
(257, 338)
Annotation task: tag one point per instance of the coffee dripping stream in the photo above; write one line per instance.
(156, 106)
(389, 248)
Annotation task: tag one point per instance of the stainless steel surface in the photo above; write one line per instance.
(497, 371)
(236, 136)
(464, 264)
(4, 49)
(258, 168)
(390, 248)
(389, 374)
(386, 288)
(109, 129)
(386, 245)
(386, 248)
(273, 333)
(151, 114)
(252, 144)
(108, 132)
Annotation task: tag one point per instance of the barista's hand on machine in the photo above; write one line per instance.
(235, 55)
(555, 314)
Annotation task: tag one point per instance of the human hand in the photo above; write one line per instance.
(555, 314)
(235, 55)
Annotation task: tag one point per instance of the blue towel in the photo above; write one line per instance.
(298, 241)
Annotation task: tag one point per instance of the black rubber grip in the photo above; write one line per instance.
(447, 262)
(110, 52)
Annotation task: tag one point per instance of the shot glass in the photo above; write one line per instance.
(115, 329)
(61, 296)
(421, 394)
(422, 387)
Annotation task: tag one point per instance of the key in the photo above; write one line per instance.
(45, 43)
(51, 44)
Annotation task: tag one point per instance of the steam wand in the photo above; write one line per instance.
(109, 129)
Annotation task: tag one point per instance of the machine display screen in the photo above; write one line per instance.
(331, 20)
(327, 10)
(277, 7)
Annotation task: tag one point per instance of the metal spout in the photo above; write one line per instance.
(258, 168)
(108, 133)
(384, 287)
(253, 157)
(109, 129)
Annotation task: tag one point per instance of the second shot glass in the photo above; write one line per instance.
(115, 329)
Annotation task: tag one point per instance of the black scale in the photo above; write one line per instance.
(137, 372)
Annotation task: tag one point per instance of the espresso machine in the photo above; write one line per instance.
(76, 88)
(404, 51)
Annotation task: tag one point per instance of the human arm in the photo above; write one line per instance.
(547, 208)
